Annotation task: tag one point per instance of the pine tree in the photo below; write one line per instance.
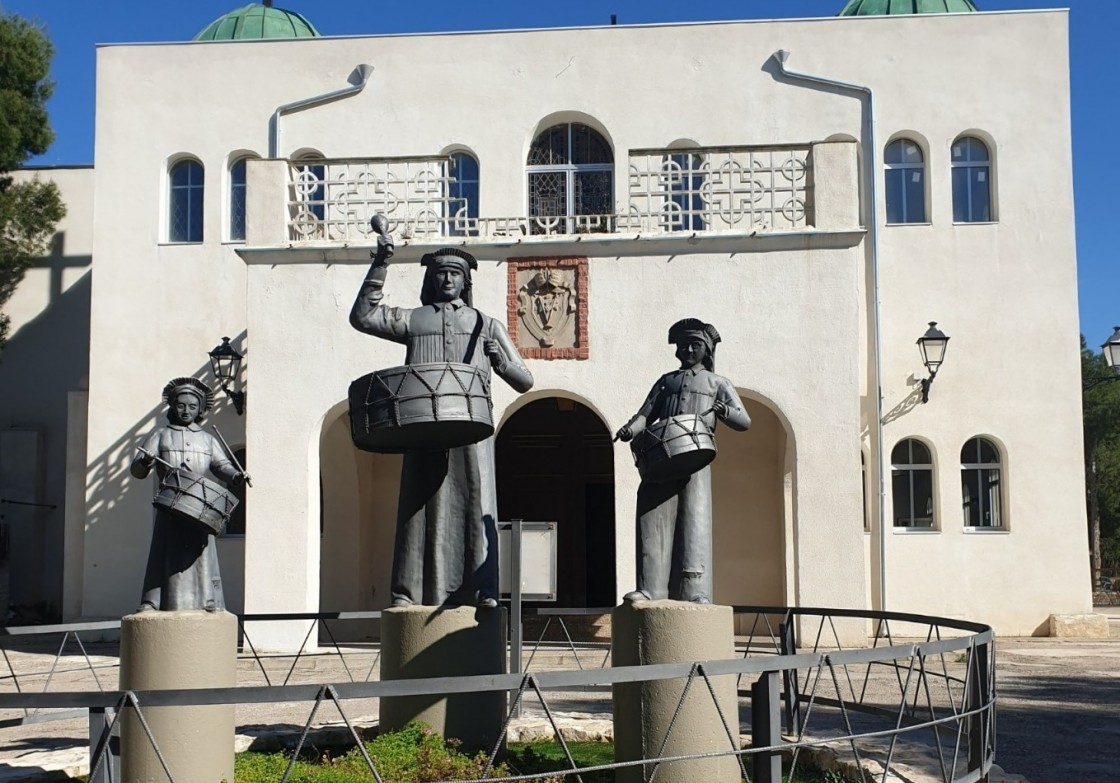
(29, 211)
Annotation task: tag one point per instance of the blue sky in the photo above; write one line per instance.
(76, 27)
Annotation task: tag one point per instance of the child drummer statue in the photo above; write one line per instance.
(182, 572)
(675, 515)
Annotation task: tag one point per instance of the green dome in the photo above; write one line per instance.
(256, 21)
(903, 7)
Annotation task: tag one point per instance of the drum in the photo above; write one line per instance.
(673, 448)
(194, 498)
(421, 407)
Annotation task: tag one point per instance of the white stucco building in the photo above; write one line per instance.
(663, 171)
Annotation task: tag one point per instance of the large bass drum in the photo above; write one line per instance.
(673, 448)
(420, 407)
(195, 499)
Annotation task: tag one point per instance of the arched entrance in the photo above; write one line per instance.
(357, 522)
(555, 463)
(752, 496)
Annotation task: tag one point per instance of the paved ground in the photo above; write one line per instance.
(1058, 719)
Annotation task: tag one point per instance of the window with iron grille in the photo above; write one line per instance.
(237, 193)
(187, 186)
(571, 180)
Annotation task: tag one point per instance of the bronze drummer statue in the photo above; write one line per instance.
(673, 445)
(446, 549)
(182, 571)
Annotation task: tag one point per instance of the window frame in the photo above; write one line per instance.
(570, 171)
(233, 188)
(902, 168)
(691, 217)
(911, 468)
(985, 166)
(455, 186)
(174, 192)
(1000, 495)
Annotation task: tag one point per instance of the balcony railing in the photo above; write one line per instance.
(702, 189)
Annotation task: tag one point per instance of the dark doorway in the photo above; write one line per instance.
(555, 463)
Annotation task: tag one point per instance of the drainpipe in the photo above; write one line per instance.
(361, 73)
(869, 148)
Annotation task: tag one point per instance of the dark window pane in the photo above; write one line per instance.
(988, 453)
(961, 210)
(900, 492)
(588, 147)
(923, 497)
(894, 196)
(920, 453)
(900, 455)
(970, 496)
(237, 194)
(989, 480)
(893, 153)
(915, 196)
(194, 219)
(593, 193)
(980, 211)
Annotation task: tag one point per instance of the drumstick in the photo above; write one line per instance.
(149, 454)
(232, 456)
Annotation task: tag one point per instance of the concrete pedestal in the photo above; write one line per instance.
(652, 632)
(425, 641)
(178, 650)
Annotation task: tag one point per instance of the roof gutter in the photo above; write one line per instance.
(780, 57)
(361, 74)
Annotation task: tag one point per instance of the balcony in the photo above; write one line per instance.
(666, 193)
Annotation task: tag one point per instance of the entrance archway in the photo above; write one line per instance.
(555, 463)
(752, 496)
(357, 522)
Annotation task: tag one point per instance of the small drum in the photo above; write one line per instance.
(421, 407)
(673, 448)
(194, 498)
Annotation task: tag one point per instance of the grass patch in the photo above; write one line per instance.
(416, 754)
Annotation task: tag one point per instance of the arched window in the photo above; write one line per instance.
(980, 484)
(912, 485)
(685, 183)
(187, 180)
(972, 181)
(311, 191)
(906, 182)
(237, 193)
(462, 195)
(571, 181)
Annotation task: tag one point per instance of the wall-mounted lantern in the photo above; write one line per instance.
(932, 344)
(225, 361)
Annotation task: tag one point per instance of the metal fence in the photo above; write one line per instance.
(802, 694)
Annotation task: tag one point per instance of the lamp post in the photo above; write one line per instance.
(225, 361)
(932, 344)
(1111, 350)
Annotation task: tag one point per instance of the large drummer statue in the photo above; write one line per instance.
(675, 511)
(182, 572)
(446, 551)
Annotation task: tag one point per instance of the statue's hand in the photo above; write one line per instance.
(624, 434)
(384, 250)
(719, 408)
(494, 352)
(242, 478)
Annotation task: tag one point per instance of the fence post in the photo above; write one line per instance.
(100, 735)
(515, 630)
(765, 727)
(978, 695)
(792, 692)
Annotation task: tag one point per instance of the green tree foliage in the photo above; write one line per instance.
(1100, 403)
(29, 211)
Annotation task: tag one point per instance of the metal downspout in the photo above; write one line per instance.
(780, 58)
(363, 72)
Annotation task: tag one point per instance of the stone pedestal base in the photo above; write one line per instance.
(1079, 626)
(178, 650)
(652, 632)
(426, 641)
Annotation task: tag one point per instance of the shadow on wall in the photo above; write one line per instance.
(45, 359)
(118, 507)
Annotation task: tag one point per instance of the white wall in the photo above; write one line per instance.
(794, 312)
